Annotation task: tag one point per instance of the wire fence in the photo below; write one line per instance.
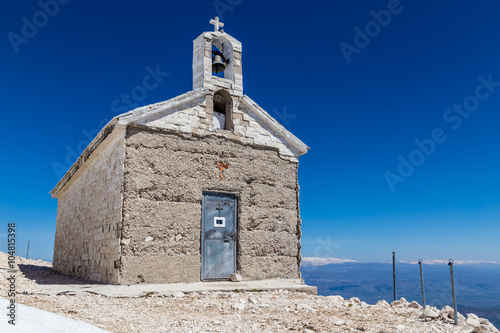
(476, 286)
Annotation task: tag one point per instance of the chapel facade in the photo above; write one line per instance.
(191, 189)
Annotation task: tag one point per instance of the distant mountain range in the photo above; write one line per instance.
(315, 261)
(445, 262)
(477, 283)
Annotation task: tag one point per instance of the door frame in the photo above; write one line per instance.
(202, 232)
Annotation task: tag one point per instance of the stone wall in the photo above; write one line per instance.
(89, 215)
(165, 174)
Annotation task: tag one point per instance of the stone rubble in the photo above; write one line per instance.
(236, 278)
(278, 311)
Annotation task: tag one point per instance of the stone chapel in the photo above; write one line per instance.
(191, 189)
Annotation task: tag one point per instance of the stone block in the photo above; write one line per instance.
(160, 269)
(268, 267)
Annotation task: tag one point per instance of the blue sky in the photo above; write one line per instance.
(358, 81)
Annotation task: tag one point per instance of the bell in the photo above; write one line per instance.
(217, 64)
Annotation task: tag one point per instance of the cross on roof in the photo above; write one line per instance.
(217, 24)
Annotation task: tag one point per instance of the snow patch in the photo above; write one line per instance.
(33, 320)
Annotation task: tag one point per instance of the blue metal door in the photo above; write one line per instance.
(218, 239)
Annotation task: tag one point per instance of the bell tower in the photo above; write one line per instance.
(217, 53)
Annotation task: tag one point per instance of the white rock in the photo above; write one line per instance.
(238, 306)
(178, 237)
(307, 307)
(125, 241)
(414, 305)
(400, 327)
(354, 300)
(339, 322)
(400, 302)
(382, 303)
(148, 239)
(428, 313)
(472, 315)
(447, 309)
(485, 329)
(447, 313)
(335, 299)
(178, 294)
(236, 277)
(473, 321)
(397, 303)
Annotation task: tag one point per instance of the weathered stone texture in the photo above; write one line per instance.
(160, 268)
(266, 267)
(165, 175)
(89, 215)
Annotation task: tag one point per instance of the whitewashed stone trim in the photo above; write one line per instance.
(154, 111)
(273, 125)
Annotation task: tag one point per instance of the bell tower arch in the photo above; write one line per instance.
(219, 52)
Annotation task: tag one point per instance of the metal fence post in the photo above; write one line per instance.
(422, 282)
(394, 273)
(453, 291)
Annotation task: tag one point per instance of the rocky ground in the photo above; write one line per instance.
(279, 311)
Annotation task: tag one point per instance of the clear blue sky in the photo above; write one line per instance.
(359, 107)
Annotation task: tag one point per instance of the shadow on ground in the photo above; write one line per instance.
(46, 275)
